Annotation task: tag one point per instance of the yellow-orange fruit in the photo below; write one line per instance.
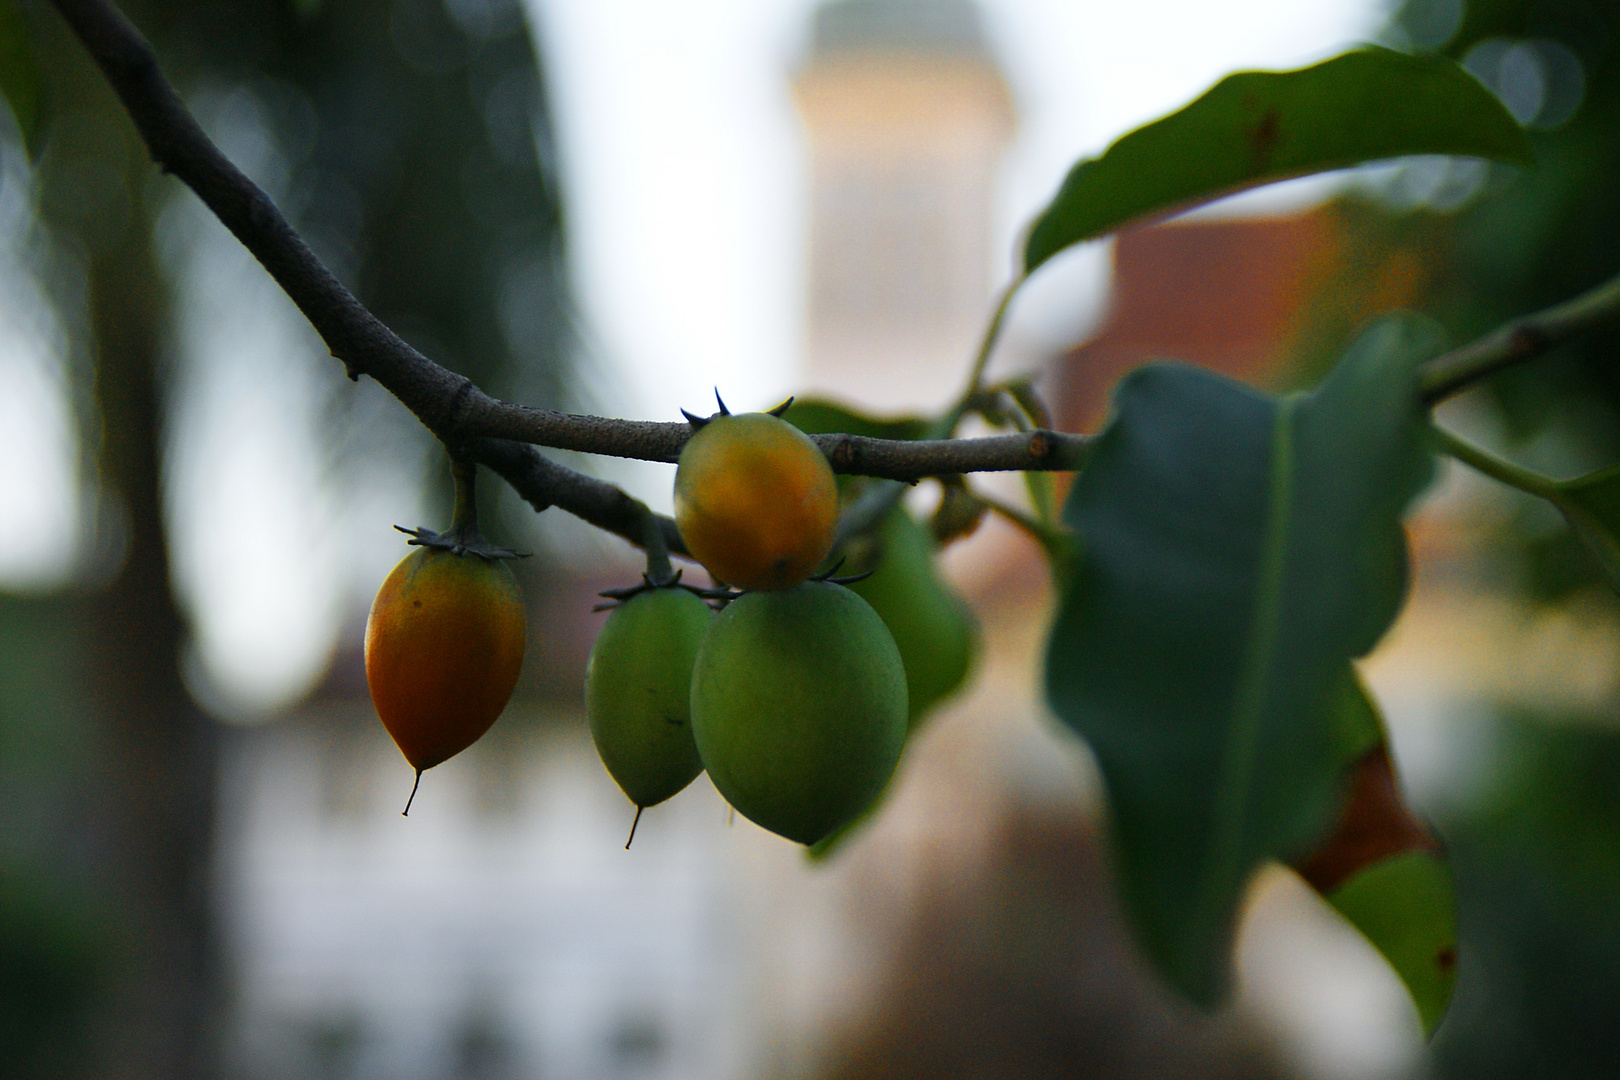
(444, 644)
(755, 501)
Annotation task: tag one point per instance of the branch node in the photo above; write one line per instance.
(1527, 340)
(456, 405)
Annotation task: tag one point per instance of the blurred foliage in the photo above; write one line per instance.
(1538, 882)
(52, 938)
(1541, 235)
(411, 147)
(19, 81)
(408, 141)
(1537, 858)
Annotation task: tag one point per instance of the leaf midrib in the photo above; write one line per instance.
(1249, 701)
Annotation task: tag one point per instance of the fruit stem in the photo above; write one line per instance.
(415, 784)
(465, 473)
(633, 825)
(659, 570)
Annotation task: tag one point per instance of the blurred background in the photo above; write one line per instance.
(616, 207)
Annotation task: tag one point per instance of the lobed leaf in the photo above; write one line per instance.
(1256, 127)
(1239, 549)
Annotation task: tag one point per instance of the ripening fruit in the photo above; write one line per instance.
(932, 625)
(799, 707)
(638, 692)
(755, 501)
(444, 643)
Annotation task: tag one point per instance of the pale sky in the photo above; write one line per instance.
(683, 175)
(682, 156)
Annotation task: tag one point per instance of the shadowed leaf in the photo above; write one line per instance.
(1239, 549)
(1257, 127)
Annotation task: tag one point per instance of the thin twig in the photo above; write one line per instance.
(1049, 538)
(1496, 468)
(1519, 340)
(451, 406)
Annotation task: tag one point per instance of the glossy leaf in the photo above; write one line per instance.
(1591, 503)
(1238, 550)
(1381, 867)
(1257, 127)
(19, 78)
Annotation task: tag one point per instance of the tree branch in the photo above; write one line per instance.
(451, 406)
(1519, 340)
(543, 484)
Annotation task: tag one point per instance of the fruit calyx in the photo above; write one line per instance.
(698, 422)
(462, 537)
(725, 594)
(617, 597)
(459, 540)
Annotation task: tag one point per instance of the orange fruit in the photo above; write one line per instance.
(755, 501)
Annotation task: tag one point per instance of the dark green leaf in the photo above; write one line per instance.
(19, 78)
(1257, 127)
(1592, 505)
(1406, 906)
(1238, 550)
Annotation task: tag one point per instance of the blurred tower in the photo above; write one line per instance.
(907, 115)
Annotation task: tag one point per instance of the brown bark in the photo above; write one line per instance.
(157, 759)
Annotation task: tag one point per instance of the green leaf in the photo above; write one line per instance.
(1405, 905)
(1238, 550)
(1257, 127)
(1591, 503)
(1357, 725)
(19, 78)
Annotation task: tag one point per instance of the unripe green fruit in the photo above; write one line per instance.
(638, 692)
(799, 707)
(932, 625)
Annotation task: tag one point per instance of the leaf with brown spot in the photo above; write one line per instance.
(1257, 127)
(1383, 869)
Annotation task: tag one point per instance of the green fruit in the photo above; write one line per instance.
(799, 707)
(933, 626)
(638, 692)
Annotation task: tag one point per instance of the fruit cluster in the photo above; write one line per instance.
(796, 695)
